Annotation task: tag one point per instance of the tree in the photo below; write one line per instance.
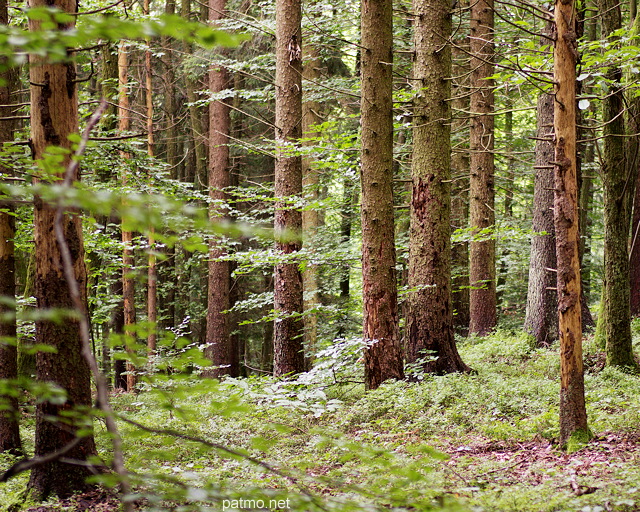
(383, 357)
(573, 415)
(128, 283)
(54, 117)
(430, 317)
(541, 319)
(9, 427)
(482, 269)
(219, 348)
(618, 188)
(288, 329)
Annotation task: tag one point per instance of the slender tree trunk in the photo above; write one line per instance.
(541, 318)
(383, 355)
(482, 270)
(152, 271)
(430, 318)
(288, 346)
(617, 188)
(128, 283)
(219, 348)
(573, 415)
(54, 116)
(310, 216)
(460, 172)
(9, 426)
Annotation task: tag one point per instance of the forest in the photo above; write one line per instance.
(309, 256)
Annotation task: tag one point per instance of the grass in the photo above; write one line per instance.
(481, 442)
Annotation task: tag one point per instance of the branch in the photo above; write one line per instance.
(27, 464)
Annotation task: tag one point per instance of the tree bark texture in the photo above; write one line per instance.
(573, 415)
(482, 268)
(541, 318)
(219, 349)
(617, 189)
(430, 332)
(9, 415)
(54, 116)
(288, 329)
(128, 261)
(460, 172)
(383, 356)
(311, 185)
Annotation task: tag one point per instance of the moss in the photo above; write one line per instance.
(578, 440)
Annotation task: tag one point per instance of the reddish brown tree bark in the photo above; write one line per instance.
(573, 415)
(383, 357)
(288, 331)
(54, 116)
(482, 269)
(219, 348)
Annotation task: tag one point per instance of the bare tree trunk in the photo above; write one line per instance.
(573, 415)
(430, 318)
(482, 269)
(128, 283)
(310, 216)
(219, 348)
(383, 355)
(288, 333)
(54, 116)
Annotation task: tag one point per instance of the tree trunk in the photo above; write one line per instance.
(310, 216)
(573, 415)
(383, 355)
(617, 188)
(219, 349)
(482, 269)
(128, 283)
(9, 427)
(430, 318)
(541, 317)
(460, 173)
(288, 332)
(54, 116)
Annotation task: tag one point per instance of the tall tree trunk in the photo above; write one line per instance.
(541, 317)
(430, 318)
(617, 189)
(310, 216)
(152, 271)
(573, 415)
(128, 283)
(54, 116)
(460, 172)
(219, 348)
(482, 269)
(383, 355)
(288, 332)
(9, 427)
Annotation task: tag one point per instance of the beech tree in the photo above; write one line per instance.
(383, 357)
(430, 316)
(54, 117)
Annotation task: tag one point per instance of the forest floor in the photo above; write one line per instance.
(479, 443)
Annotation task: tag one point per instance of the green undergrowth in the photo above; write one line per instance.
(479, 442)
